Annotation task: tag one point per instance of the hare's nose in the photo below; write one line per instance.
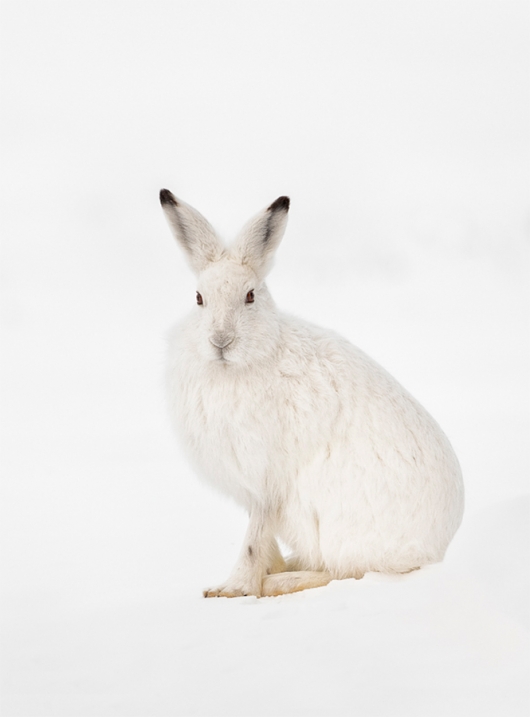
(221, 341)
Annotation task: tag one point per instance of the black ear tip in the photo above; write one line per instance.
(281, 204)
(167, 198)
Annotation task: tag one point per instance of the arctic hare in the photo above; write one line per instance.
(324, 449)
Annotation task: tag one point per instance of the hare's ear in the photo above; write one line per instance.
(195, 235)
(260, 238)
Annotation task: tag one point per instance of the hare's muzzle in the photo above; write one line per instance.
(221, 341)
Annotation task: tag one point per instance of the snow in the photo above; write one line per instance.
(449, 639)
(400, 131)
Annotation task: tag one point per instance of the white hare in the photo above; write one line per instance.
(324, 449)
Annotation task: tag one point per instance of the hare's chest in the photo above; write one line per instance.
(222, 425)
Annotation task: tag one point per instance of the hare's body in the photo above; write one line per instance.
(325, 450)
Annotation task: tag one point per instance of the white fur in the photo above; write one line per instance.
(324, 449)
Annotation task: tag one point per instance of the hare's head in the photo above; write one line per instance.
(235, 316)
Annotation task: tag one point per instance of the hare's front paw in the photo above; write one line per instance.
(234, 589)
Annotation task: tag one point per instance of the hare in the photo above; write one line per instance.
(323, 448)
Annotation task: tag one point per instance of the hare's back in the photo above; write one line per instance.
(354, 407)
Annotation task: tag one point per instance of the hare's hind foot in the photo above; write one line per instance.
(284, 583)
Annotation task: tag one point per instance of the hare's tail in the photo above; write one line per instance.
(293, 582)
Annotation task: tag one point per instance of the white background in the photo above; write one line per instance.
(400, 131)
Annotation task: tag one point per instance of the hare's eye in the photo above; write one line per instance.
(250, 297)
(199, 298)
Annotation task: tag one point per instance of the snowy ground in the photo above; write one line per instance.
(448, 640)
(399, 129)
